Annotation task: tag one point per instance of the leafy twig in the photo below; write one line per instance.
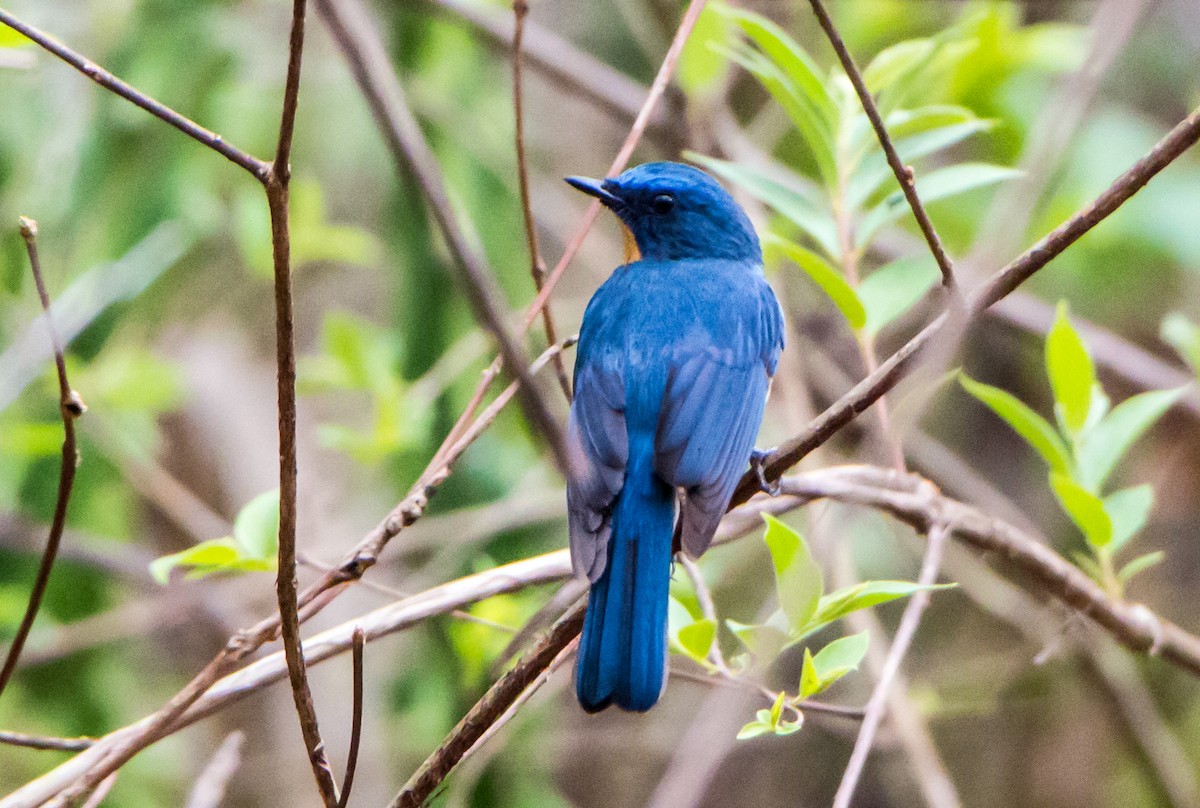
(71, 406)
(537, 267)
(159, 110)
(904, 174)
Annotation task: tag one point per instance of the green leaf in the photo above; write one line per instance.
(1184, 336)
(875, 171)
(863, 596)
(1140, 564)
(256, 528)
(831, 663)
(697, 639)
(753, 730)
(810, 680)
(825, 276)
(797, 577)
(1033, 428)
(792, 59)
(894, 288)
(1072, 374)
(811, 124)
(1128, 510)
(894, 62)
(807, 211)
(1103, 445)
(1085, 509)
(940, 184)
(207, 556)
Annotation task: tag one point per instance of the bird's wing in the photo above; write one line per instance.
(596, 438)
(712, 409)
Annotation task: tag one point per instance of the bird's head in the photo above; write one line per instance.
(674, 211)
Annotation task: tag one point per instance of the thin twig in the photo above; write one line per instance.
(210, 787)
(349, 24)
(45, 742)
(358, 640)
(537, 267)
(70, 407)
(909, 622)
(494, 704)
(285, 358)
(904, 174)
(101, 792)
(159, 110)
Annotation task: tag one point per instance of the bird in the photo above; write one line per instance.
(673, 367)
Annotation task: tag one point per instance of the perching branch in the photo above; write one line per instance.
(904, 174)
(537, 267)
(70, 407)
(276, 187)
(159, 110)
(10, 738)
(349, 24)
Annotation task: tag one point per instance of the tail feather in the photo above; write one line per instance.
(623, 650)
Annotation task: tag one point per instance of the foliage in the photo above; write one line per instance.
(1084, 447)
(251, 548)
(804, 610)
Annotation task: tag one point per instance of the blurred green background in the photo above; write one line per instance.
(158, 253)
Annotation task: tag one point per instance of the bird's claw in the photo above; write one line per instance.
(758, 459)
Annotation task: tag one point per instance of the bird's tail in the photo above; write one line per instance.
(623, 650)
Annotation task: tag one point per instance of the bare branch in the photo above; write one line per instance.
(904, 174)
(349, 24)
(285, 365)
(45, 742)
(358, 640)
(891, 667)
(71, 406)
(159, 110)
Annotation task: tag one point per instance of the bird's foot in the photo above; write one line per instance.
(758, 459)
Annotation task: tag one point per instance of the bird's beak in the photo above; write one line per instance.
(595, 188)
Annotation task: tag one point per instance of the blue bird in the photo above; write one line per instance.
(672, 370)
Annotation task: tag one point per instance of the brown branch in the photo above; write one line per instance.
(904, 174)
(537, 267)
(159, 110)
(70, 406)
(494, 704)
(285, 358)
(101, 792)
(877, 705)
(11, 738)
(358, 639)
(349, 24)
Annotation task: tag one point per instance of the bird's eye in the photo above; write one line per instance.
(663, 203)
